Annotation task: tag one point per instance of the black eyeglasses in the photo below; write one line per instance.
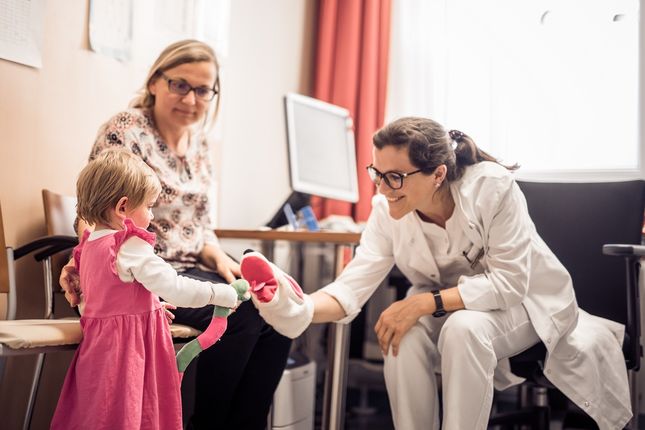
(393, 180)
(181, 87)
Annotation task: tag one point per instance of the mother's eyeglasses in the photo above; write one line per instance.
(393, 180)
(181, 87)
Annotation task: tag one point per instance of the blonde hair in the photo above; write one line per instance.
(176, 54)
(113, 174)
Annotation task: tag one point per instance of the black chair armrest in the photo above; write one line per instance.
(621, 250)
(632, 254)
(49, 245)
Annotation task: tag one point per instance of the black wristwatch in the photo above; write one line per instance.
(439, 311)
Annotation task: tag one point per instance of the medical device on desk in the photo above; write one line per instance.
(322, 155)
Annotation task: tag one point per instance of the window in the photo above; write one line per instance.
(552, 85)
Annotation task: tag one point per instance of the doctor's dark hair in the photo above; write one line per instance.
(430, 145)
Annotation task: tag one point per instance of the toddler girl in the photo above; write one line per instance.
(124, 374)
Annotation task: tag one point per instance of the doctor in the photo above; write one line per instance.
(485, 287)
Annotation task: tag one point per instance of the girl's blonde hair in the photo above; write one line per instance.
(113, 174)
(176, 54)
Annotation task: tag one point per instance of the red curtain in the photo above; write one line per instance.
(351, 71)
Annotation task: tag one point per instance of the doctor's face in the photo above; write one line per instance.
(416, 190)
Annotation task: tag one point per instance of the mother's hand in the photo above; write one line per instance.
(397, 319)
(216, 259)
(70, 283)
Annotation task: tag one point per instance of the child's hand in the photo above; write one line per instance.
(241, 286)
(167, 307)
(70, 283)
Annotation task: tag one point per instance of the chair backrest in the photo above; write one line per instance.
(60, 213)
(576, 220)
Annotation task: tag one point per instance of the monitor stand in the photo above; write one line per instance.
(297, 200)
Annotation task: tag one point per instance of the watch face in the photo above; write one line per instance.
(439, 313)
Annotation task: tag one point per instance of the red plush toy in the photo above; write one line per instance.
(277, 296)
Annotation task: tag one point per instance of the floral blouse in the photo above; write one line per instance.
(184, 213)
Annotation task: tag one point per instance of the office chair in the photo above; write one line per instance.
(578, 221)
(33, 336)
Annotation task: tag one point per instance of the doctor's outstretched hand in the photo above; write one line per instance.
(398, 318)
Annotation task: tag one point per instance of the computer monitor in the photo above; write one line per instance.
(322, 155)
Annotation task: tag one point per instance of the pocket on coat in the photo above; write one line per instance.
(566, 321)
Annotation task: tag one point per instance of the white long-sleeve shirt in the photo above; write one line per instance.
(136, 260)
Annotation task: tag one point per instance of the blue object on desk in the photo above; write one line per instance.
(309, 218)
(291, 217)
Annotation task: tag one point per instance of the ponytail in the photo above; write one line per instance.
(468, 153)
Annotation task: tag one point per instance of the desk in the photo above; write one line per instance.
(333, 414)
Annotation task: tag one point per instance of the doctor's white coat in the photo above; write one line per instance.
(584, 358)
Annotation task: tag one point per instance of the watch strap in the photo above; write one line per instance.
(439, 309)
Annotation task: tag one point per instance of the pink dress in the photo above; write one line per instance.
(124, 374)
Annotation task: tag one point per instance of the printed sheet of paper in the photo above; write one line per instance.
(21, 31)
(206, 20)
(110, 28)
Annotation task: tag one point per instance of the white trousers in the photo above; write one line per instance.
(465, 347)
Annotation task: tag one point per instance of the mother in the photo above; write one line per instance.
(166, 126)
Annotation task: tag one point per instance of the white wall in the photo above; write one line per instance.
(263, 64)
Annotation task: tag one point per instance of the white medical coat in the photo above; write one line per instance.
(584, 358)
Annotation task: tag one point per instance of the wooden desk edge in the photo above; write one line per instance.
(332, 237)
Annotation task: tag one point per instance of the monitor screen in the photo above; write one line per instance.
(322, 157)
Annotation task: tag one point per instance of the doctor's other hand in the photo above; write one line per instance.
(397, 319)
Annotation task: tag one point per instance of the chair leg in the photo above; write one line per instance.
(38, 371)
(543, 411)
(635, 394)
(534, 399)
(533, 414)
